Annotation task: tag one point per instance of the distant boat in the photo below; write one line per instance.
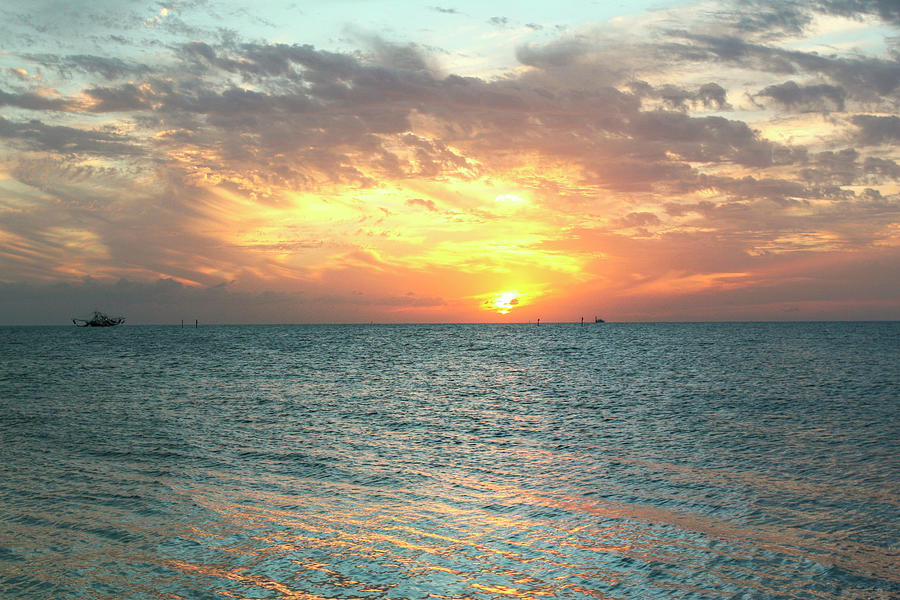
(598, 320)
(99, 319)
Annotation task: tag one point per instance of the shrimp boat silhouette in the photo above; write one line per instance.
(99, 319)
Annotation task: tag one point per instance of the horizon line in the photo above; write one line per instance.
(405, 323)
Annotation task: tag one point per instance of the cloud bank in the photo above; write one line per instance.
(705, 163)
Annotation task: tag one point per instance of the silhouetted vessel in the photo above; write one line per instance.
(99, 319)
(598, 320)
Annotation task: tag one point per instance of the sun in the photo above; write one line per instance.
(503, 302)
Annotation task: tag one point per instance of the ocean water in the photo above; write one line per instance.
(613, 461)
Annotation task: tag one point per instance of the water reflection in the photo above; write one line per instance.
(583, 464)
(501, 542)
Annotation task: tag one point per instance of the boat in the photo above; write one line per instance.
(99, 319)
(598, 320)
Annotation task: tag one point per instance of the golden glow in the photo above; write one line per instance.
(504, 302)
(541, 235)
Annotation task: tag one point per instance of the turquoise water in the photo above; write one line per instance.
(612, 461)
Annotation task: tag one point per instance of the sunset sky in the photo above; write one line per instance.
(356, 161)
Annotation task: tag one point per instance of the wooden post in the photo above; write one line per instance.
(182, 323)
(196, 324)
(582, 321)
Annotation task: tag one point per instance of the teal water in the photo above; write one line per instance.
(613, 461)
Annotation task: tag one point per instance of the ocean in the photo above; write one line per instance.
(604, 461)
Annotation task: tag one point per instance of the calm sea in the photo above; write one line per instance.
(611, 461)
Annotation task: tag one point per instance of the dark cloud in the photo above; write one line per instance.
(273, 60)
(32, 101)
(771, 19)
(106, 67)
(754, 222)
(48, 172)
(887, 10)
(749, 188)
(806, 98)
(882, 166)
(707, 47)
(402, 57)
(712, 95)
(289, 114)
(865, 78)
(638, 219)
(834, 167)
(433, 158)
(446, 11)
(68, 140)
(708, 95)
(563, 52)
(127, 97)
(427, 204)
(328, 111)
(703, 138)
(874, 130)
(775, 19)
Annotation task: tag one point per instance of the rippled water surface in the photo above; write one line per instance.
(301, 462)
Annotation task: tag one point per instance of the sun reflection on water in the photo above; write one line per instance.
(466, 537)
(503, 473)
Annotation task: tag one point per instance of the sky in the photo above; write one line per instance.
(386, 161)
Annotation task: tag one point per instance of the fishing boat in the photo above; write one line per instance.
(598, 320)
(99, 319)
